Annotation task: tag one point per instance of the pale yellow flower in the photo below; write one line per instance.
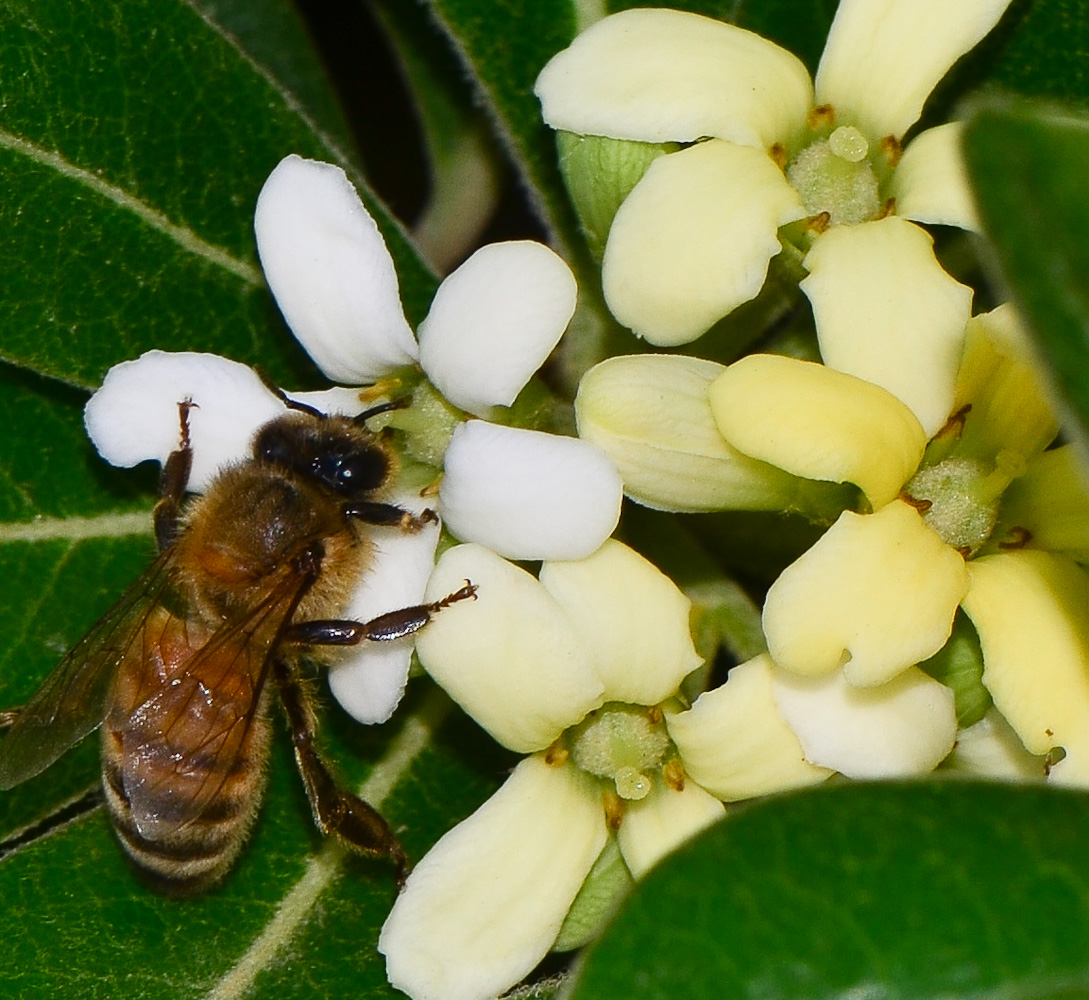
(764, 147)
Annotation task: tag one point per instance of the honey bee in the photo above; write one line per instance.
(249, 579)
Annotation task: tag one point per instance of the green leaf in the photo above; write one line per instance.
(134, 138)
(1028, 166)
(894, 890)
(465, 169)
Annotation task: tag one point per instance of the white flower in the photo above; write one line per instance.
(578, 669)
(526, 494)
(491, 325)
(768, 147)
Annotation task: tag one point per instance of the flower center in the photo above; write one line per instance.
(959, 497)
(834, 175)
(623, 743)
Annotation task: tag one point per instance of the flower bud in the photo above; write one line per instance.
(650, 413)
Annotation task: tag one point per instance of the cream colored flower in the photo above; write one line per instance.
(579, 669)
(981, 517)
(764, 148)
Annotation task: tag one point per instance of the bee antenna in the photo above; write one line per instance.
(291, 404)
(393, 404)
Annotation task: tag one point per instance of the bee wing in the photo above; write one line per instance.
(73, 699)
(194, 731)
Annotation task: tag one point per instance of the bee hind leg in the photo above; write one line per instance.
(337, 812)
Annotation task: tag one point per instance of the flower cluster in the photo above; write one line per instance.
(939, 620)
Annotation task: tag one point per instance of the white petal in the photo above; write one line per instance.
(370, 679)
(527, 494)
(1031, 610)
(692, 240)
(631, 618)
(341, 400)
(734, 742)
(665, 819)
(991, 749)
(511, 658)
(887, 312)
(485, 904)
(651, 415)
(661, 75)
(877, 593)
(494, 321)
(930, 183)
(819, 423)
(134, 416)
(330, 271)
(884, 57)
(902, 728)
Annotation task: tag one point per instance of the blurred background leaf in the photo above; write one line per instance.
(1028, 163)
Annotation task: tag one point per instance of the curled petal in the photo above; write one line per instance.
(527, 494)
(630, 617)
(494, 321)
(1051, 502)
(819, 423)
(692, 240)
(991, 749)
(651, 415)
(884, 57)
(1012, 407)
(734, 742)
(486, 902)
(877, 593)
(904, 727)
(511, 658)
(134, 416)
(887, 312)
(930, 183)
(330, 271)
(656, 825)
(1031, 610)
(370, 679)
(662, 75)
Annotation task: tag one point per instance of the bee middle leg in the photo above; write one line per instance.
(384, 628)
(389, 515)
(337, 812)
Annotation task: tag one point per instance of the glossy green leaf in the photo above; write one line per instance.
(896, 890)
(134, 138)
(1028, 165)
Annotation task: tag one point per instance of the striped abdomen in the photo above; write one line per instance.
(183, 754)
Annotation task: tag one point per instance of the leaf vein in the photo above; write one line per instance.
(182, 235)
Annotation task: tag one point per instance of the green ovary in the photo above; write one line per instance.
(834, 175)
(622, 743)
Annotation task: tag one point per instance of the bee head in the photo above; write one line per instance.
(335, 452)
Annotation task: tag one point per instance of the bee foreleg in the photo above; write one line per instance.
(389, 515)
(337, 812)
(8, 717)
(384, 628)
(173, 482)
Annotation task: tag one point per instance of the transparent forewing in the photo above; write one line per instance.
(74, 698)
(185, 724)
